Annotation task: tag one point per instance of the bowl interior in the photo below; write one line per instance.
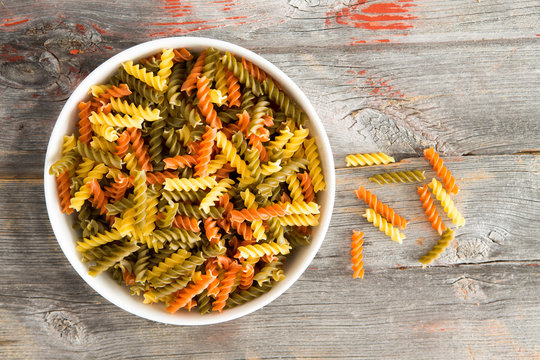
(67, 236)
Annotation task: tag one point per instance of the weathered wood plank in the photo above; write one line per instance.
(334, 22)
(445, 313)
(478, 300)
(459, 106)
(397, 97)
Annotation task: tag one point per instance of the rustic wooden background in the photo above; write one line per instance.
(390, 75)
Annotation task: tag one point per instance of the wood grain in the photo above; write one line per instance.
(394, 76)
(397, 97)
(447, 310)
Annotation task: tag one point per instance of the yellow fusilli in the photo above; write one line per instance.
(214, 194)
(299, 220)
(384, 226)
(315, 170)
(116, 120)
(258, 250)
(191, 184)
(131, 109)
(257, 225)
(446, 202)
(155, 81)
(368, 159)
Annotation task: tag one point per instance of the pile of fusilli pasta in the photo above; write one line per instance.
(384, 217)
(191, 179)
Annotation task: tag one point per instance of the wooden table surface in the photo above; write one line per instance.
(392, 75)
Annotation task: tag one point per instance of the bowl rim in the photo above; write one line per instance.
(59, 222)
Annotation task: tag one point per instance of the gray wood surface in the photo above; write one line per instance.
(459, 75)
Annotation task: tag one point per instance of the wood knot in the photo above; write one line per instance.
(388, 132)
(25, 69)
(52, 59)
(468, 289)
(480, 248)
(475, 249)
(65, 326)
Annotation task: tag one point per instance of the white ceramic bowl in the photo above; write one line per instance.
(67, 236)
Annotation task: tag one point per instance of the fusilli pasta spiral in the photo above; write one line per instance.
(445, 240)
(385, 227)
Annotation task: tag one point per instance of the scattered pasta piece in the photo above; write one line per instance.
(445, 240)
(356, 254)
(431, 211)
(447, 178)
(384, 226)
(383, 209)
(398, 177)
(368, 159)
(446, 202)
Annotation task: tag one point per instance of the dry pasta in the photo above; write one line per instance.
(187, 177)
(357, 242)
(438, 249)
(368, 159)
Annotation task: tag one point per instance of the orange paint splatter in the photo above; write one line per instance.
(359, 42)
(390, 16)
(7, 51)
(354, 41)
(14, 23)
(380, 86)
(108, 47)
(80, 27)
(385, 8)
(176, 9)
(378, 16)
(74, 51)
(99, 30)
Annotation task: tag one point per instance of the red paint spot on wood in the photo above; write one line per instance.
(74, 51)
(356, 42)
(384, 8)
(81, 27)
(15, 22)
(532, 264)
(99, 30)
(383, 40)
(108, 47)
(382, 16)
(177, 9)
(7, 51)
(381, 87)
